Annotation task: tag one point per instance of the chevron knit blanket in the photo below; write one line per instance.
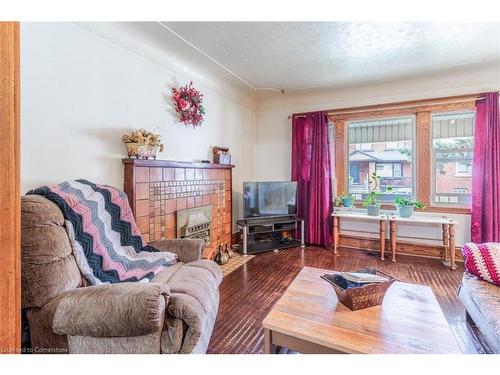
(483, 260)
(106, 241)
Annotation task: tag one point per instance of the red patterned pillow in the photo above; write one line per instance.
(483, 261)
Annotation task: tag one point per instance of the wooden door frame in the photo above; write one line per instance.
(10, 201)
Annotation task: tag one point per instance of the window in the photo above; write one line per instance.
(364, 146)
(463, 169)
(390, 170)
(397, 170)
(424, 152)
(383, 146)
(391, 145)
(452, 147)
(394, 145)
(460, 190)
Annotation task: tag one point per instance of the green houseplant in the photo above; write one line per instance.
(405, 206)
(372, 201)
(345, 200)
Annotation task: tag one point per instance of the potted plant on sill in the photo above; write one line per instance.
(372, 201)
(406, 207)
(372, 204)
(345, 200)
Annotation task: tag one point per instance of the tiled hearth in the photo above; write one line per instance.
(157, 189)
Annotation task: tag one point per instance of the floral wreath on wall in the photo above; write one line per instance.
(188, 103)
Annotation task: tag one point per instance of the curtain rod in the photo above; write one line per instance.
(423, 104)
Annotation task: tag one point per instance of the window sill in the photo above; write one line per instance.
(436, 209)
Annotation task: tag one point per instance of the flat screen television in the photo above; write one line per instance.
(265, 199)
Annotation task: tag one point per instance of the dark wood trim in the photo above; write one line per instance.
(448, 107)
(446, 103)
(10, 201)
(450, 103)
(174, 164)
(129, 184)
(341, 155)
(423, 157)
(231, 242)
(380, 113)
(404, 247)
(447, 210)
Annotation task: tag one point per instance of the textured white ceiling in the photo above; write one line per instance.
(298, 55)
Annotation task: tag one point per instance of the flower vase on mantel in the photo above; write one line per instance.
(132, 149)
(142, 144)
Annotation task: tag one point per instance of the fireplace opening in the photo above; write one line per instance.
(195, 223)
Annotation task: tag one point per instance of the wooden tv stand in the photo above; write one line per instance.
(270, 225)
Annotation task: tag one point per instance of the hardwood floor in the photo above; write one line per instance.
(248, 293)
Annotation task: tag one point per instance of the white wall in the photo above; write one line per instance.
(273, 139)
(80, 92)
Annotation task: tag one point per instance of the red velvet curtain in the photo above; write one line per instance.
(485, 219)
(311, 170)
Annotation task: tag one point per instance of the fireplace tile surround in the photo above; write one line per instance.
(157, 189)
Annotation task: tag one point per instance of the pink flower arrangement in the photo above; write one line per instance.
(188, 104)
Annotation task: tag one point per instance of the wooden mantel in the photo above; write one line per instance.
(157, 189)
(174, 164)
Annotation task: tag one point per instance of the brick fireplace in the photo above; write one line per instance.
(160, 192)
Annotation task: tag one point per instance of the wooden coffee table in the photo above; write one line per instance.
(309, 319)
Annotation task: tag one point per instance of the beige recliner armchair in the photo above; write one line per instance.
(174, 313)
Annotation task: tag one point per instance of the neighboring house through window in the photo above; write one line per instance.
(452, 148)
(383, 146)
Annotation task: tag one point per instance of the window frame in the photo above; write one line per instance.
(422, 109)
(433, 163)
(413, 153)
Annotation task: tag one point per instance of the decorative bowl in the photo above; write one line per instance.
(360, 296)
